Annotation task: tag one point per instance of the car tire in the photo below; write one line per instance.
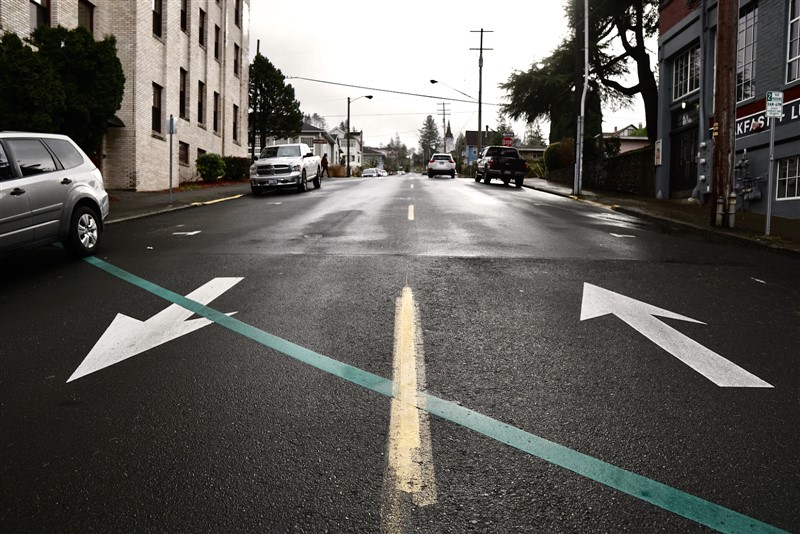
(430, 174)
(302, 186)
(518, 182)
(84, 232)
(452, 175)
(506, 181)
(317, 180)
(477, 177)
(487, 178)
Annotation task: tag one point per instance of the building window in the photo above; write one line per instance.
(200, 152)
(158, 10)
(183, 153)
(215, 120)
(201, 103)
(201, 28)
(217, 43)
(40, 13)
(746, 54)
(793, 68)
(158, 92)
(184, 15)
(686, 73)
(86, 15)
(237, 12)
(183, 101)
(235, 122)
(237, 55)
(789, 178)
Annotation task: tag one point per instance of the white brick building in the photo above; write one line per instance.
(186, 58)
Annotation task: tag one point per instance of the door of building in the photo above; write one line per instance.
(683, 153)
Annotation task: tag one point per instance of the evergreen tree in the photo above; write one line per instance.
(70, 85)
(274, 111)
(33, 98)
(429, 138)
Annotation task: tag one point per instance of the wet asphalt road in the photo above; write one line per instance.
(216, 430)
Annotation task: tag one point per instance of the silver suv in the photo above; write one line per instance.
(49, 191)
(442, 164)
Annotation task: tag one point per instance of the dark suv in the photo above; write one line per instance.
(49, 191)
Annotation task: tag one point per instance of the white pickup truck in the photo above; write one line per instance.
(280, 166)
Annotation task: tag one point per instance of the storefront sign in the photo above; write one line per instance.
(757, 122)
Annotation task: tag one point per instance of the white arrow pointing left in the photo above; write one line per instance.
(127, 337)
(643, 317)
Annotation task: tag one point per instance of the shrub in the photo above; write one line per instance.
(236, 168)
(337, 171)
(559, 155)
(210, 167)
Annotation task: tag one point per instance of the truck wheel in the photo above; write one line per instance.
(317, 180)
(302, 186)
(84, 232)
(506, 181)
(452, 175)
(519, 181)
(477, 177)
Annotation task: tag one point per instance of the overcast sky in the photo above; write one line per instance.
(384, 49)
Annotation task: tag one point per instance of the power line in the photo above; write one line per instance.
(388, 90)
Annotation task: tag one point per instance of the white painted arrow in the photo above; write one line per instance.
(187, 233)
(641, 316)
(127, 337)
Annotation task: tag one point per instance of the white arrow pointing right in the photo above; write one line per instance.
(642, 317)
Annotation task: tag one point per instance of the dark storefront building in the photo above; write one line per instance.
(768, 59)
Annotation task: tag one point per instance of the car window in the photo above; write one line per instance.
(65, 152)
(442, 157)
(32, 157)
(509, 153)
(5, 166)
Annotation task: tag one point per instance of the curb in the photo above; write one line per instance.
(671, 224)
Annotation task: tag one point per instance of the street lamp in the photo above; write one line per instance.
(453, 88)
(347, 136)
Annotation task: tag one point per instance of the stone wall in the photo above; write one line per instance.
(631, 173)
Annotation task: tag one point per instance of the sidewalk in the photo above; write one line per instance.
(689, 216)
(679, 214)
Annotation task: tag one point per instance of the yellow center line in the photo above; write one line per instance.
(410, 459)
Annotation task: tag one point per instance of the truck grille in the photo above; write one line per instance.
(272, 170)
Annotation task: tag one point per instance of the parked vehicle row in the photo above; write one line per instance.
(50, 191)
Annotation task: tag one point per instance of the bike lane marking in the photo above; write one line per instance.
(666, 497)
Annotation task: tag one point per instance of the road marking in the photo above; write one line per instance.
(412, 186)
(187, 233)
(411, 212)
(642, 317)
(410, 460)
(621, 235)
(126, 337)
(673, 500)
(209, 202)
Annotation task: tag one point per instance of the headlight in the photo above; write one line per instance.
(253, 168)
(296, 167)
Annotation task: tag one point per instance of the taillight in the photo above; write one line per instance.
(432, 160)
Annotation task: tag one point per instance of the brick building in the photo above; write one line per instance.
(768, 59)
(185, 58)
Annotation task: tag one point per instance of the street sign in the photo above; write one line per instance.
(775, 104)
(508, 141)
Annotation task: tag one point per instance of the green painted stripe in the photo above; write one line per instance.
(676, 501)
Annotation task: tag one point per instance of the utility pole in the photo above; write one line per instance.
(724, 115)
(444, 112)
(480, 84)
(576, 189)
